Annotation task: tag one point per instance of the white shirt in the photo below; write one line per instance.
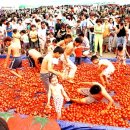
(2, 30)
(42, 33)
(106, 62)
(129, 34)
(86, 42)
(14, 26)
(20, 27)
(90, 24)
(25, 38)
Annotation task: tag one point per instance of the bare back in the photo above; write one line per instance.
(34, 54)
(62, 44)
(69, 49)
(15, 50)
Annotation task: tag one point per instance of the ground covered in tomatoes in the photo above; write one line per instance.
(27, 96)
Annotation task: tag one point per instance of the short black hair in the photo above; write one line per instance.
(40, 59)
(78, 40)
(59, 50)
(95, 89)
(94, 57)
(81, 34)
(99, 21)
(120, 47)
(23, 31)
(54, 40)
(67, 36)
(51, 76)
(15, 30)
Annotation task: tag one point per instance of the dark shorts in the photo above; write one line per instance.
(31, 61)
(16, 63)
(45, 79)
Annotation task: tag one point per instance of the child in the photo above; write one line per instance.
(121, 55)
(25, 40)
(58, 93)
(34, 37)
(78, 51)
(105, 74)
(95, 93)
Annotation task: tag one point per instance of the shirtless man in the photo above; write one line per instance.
(63, 43)
(34, 58)
(93, 94)
(14, 49)
(69, 66)
(47, 66)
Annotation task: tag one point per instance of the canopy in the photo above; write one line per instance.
(37, 3)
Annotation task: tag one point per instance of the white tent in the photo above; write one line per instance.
(37, 3)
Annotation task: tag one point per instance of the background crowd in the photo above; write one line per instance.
(37, 28)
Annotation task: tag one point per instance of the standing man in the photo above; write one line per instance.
(90, 26)
(69, 66)
(42, 36)
(14, 49)
(47, 66)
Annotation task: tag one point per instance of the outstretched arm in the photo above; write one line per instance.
(88, 83)
(109, 98)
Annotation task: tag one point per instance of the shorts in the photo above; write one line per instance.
(45, 79)
(89, 99)
(108, 71)
(16, 63)
(31, 61)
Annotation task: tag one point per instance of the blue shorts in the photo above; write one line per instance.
(16, 63)
(31, 61)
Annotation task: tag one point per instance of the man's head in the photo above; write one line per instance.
(78, 41)
(7, 41)
(54, 42)
(15, 31)
(68, 38)
(95, 59)
(23, 32)
(43, 25)
(58, 51)
(81, 35)
(95, 89)
(33, 27)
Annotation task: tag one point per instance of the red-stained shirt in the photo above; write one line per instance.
(78, 51)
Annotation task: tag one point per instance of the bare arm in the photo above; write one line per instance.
(108, 97)
(88, 83)
(65, 94)
(49, 96)
(50, 68)
(8, 56)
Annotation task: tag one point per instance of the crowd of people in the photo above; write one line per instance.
(50, 35)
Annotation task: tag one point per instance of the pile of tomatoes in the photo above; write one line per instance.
(27, 96)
